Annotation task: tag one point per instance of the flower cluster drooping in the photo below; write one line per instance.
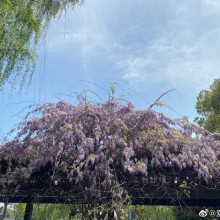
(88, 142)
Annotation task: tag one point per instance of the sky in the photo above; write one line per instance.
(145, 47)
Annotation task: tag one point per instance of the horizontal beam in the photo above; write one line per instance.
(199, 197)
(134, 201)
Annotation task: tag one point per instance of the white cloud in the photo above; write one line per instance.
(173, 44)
(170, 61)
(212, 4)
(185, 54)
(84, 40)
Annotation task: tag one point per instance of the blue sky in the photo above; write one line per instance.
(146, 47)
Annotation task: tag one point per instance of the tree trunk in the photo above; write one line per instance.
(28, 211)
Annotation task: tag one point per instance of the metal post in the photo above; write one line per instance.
(28, 211)
(130, 214)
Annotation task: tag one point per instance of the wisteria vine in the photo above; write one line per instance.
(87, 142)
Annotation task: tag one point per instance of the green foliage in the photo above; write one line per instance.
(161, 104)
(22, 23)
(208, 106)
(16, 30)
(19, 210)
(185, 188)
(154, 213)
(44, 211)
(61, 211)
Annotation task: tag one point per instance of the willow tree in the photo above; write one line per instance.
(22, 23)
(92, 146)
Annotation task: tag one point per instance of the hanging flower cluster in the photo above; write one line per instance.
(87, 142)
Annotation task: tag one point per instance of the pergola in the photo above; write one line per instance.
(179, 188)
(170, 187)
(142, 193)
(90, 154)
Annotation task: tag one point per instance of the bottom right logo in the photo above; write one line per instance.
(203, 213)
(212, 213)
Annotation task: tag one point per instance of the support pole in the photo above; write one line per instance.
(28, 211)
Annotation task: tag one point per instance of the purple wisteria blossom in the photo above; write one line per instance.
(89, 142)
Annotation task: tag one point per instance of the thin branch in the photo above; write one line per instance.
(162, 95)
